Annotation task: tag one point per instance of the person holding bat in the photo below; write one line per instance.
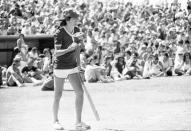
(66, 59)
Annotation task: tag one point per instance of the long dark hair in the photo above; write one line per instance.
(184, 59)
(64, 21)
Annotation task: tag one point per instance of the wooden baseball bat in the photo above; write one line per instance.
(89, 99)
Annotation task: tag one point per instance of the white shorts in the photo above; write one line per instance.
(63, 73)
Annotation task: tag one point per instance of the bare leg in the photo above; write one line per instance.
(76, 84)
(11, 81)
(58, 87)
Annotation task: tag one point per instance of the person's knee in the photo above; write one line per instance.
(80, 93)
(58, 95)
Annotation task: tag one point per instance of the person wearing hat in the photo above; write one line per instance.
(13, 75)
(66, 54)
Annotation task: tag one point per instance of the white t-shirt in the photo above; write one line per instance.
(166, 64)
(46, 64)
(90, 73)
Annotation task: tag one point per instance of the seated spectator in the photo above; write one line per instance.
(187, 64)
(47, 60)
(34, 54)
(156, 68)
(13, 76)
(26, 29)
(118, 66)
(17, 53)
(31, 74)
(117, 48)
(94, 73)
(179, 62)
(187, 46)
(40, 63)
(16, 10)
(48, 84)
(107, 65)
(127, 56)
(132, 68)
(11, 30)
(147, 66)
(83, 59)
(167, 65)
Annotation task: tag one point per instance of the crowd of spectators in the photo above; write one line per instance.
(122, 41)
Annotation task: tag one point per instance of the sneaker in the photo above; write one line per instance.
(58, 126)
(82, 126)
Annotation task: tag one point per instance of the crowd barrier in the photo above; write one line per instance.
(8, 42)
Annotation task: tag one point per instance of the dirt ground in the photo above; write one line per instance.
(140, 105)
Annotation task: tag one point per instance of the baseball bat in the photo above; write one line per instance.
(89, 99)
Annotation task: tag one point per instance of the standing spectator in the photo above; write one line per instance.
(22, 46)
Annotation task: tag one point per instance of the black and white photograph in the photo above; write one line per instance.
(95, 65)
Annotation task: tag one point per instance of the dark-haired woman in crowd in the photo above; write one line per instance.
(118, 65)
(187, 63)
(167, 65)
(156, 68)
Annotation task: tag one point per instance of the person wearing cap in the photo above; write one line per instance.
(13, 75)
(66, 59)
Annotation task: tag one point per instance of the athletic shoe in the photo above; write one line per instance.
(58, 126)
(82, 126)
